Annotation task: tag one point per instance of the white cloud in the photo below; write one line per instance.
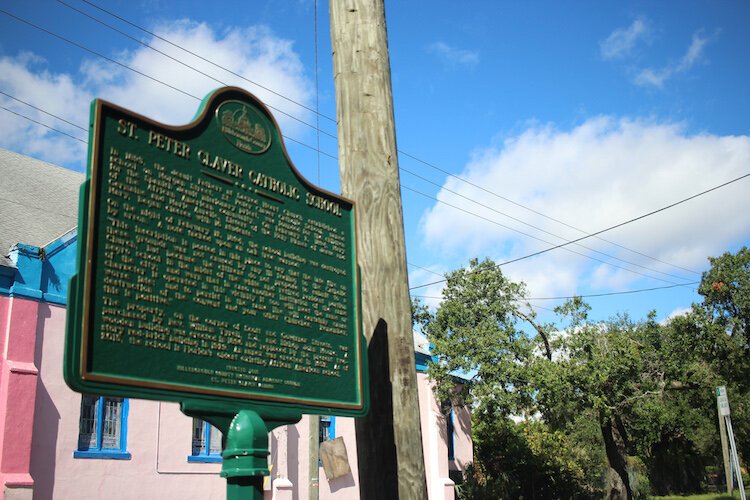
(693, 54)
(680, 311)
(598, 174)
(254, 53)
(620, 42)
(26, 79)
(650, 77)
(453, 56)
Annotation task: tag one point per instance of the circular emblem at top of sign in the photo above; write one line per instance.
(244, 127)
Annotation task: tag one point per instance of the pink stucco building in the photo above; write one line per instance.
(58, 444)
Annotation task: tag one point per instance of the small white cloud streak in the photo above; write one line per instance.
(693, 54)
(649, 77)
(454, 56)
(600, 173)
(620, 42)
(254, 53)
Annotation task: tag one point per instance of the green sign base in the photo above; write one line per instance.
(245, 442)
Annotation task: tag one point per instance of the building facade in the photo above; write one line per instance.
(58, 444)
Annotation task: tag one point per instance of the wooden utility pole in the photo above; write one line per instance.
(389, 438)
(314, 455)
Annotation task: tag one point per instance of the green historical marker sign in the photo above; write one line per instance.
(209, 269)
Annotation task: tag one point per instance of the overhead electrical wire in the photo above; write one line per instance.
(563, 245)
(413, 265)
(541, 229)
(197, 98)
(125, 66)
(91, 51)
(317, 112)
(477, 186)
(317, 128)
(584, 296)
(43, 124)
(45, 112)
(607, 294)
(606, 229)
(203, 58)
(182, 62)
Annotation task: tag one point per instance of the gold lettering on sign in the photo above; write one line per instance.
(169, 145)
(220, 164)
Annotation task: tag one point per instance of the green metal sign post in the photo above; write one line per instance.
(211, 273)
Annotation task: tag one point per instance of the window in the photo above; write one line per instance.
(206, 442)
(103, 428)
(327, 428)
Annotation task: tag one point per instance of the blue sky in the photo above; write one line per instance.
(585, 113)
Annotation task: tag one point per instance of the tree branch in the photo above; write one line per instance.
(541, 332)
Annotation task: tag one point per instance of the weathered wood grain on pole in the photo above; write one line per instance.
(314, 454)
(389, 439)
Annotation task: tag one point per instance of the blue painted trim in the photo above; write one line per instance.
(205, 459)
(52, 298)
(124, 425)
(332, 428)
(107, 454)
(60, 243)
(206, 456)
(422, 360)
(41, 273)
(25, 292)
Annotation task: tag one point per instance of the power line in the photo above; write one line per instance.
(607, 294)
(425, 269)
(583, 296)
(183, 63)
(317, 128)
(286, 137)
(606, 229)
(45, 112)
(312, 126)
(541, 229)
(91, 51)
(204, 59)
(44, 125)
(563, 245)
(413, 265)
(477, 186)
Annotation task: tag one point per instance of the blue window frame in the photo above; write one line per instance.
(206, 442)
(327, 428)
(103, 428)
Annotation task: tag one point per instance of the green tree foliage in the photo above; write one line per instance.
(647, 389)
(476, 332)
(726, 293)
(530, 460)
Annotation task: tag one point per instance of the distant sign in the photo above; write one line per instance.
(209, 268)
(722, 400)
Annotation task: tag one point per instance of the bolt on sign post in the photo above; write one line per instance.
(212, 274)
